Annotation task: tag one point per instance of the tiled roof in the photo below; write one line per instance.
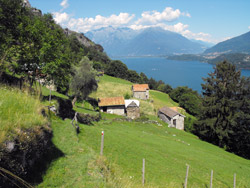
(112, 101)
(169, 112)
(140, 87)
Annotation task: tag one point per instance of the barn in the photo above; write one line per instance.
(140, 91)
(112, 105)
(172, 117)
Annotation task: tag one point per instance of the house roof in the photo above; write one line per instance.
(129, 101)
(169, 112)
(112, 101)
(140, 87)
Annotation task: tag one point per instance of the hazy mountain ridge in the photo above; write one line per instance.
(146, 42)
(239, 44)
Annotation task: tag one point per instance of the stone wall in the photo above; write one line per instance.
(133, 112)
(140, 95)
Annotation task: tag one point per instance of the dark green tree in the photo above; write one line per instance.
(144, 78)
(133, 76)
(117, 69)
(224, 112)
(83, 81)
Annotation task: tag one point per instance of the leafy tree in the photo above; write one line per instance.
(133, 76)
(187, 98)
(152, 83)
(144, 78)
(191, 103)
(224, 118)
(11, 15)
(117, 69)
(166, 88)
(83, 81)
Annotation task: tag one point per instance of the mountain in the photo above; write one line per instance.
(146, 42)
(206, 44)
(240, 44)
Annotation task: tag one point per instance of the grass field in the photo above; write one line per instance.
(18, 110)
(167, 151)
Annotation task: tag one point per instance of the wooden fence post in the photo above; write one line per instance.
(234, 180)
(50, 97)
(186, 179)
(211, 179)
(143, 172)
(102, 143)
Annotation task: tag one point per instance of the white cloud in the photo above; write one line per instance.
(86, 24)
(61, 18)
(153, 17)
(147, 19)
(64, 4)
(249, 27)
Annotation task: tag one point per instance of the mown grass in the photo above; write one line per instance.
(112, 87)
(167, 151)
(80, 166)
(18, 110)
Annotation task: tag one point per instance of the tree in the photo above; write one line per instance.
(133, 76)
(144, 78)
(117, 69)
(224, 115)
(166, 88)
(83, 82)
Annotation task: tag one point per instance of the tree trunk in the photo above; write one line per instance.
(74, 101)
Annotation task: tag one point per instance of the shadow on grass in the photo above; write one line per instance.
(27, 161)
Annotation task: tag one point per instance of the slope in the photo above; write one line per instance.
(240, 44)
(166, 150)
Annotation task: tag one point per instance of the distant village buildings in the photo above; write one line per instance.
(140, 91)
(172, 117)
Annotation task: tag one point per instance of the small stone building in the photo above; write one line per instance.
(140, 91)
(112, 105)
(132, 108)
(173, 118)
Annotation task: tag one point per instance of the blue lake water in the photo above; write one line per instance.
(175, 73)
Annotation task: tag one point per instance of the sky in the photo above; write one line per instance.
(207, 20)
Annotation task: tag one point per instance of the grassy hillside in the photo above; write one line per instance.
(166, 150)
(18, 110)
(111, 87)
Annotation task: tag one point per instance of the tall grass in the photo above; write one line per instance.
(18, 110)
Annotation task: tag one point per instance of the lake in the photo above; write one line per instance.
(174, 73)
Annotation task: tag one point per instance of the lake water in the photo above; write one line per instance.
(175, 73)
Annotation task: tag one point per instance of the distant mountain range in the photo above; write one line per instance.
(235, 50)
(240, 44)
(146, 42)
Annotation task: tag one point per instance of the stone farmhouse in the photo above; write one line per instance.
(132, 108)
(112, 105)
(173, 118)
(140, 91)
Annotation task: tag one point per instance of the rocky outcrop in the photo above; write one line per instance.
(27, 156)
(84, 40)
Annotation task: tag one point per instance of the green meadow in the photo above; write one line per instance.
(167, 151)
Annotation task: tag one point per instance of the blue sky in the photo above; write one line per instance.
(207, 20)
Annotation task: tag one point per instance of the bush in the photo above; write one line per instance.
(126, 96)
